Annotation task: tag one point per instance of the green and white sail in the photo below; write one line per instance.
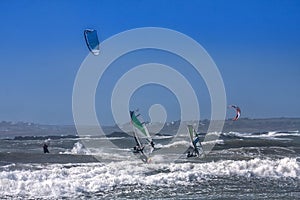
(142, 137)
(139, 127)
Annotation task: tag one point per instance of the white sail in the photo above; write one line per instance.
(195, 140)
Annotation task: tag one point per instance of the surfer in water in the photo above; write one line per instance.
(45, 147)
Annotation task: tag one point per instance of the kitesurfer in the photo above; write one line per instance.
(45, 147)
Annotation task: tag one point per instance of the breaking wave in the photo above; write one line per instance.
(272, 135)
(69, 180)
(78, 148)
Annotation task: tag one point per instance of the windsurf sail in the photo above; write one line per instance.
(195, 140)
(139, 149)
(140, 127)
(92, 42)
(144, 143)
(138, 142)
(238, 112)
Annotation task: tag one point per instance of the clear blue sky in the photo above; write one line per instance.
(255, 44)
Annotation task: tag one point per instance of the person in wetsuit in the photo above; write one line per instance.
(45, 147)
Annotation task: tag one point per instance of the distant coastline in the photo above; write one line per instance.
(11, 130)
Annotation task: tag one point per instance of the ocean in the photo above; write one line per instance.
(242, 165)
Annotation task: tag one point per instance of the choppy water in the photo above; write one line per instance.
(241, 166)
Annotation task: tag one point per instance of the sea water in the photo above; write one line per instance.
(241, 166)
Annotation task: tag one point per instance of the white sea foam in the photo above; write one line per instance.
(214, 134)
(160, 137)
(57, 180)
(99, 138)
(78, 148)
(273, 135)
(213, 142)
(118, 154)
(174, 144)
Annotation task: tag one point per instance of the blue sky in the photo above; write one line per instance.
(255, 44)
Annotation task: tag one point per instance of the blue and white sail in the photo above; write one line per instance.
(195, 140)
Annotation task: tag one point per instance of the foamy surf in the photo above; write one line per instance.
(237, 167)
(69, 180)
(173, 144)
(265, 135)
